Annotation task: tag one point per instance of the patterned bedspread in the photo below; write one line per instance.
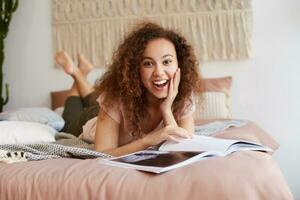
(65, 146)
(69, 146)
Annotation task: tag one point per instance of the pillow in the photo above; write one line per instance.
(59, 110)
(38, 114)
(215, 102)
(18, 132)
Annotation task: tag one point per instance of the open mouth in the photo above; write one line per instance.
(160, 83)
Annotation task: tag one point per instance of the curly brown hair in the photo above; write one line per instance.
(122, 81)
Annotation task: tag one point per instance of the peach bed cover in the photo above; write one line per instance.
(241, 175)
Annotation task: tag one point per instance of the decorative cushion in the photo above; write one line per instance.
(215, 102)
(35, 114)
(20, 132)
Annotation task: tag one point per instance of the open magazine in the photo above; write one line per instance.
(172, 155)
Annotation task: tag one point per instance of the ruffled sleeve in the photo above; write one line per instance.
(114, 111)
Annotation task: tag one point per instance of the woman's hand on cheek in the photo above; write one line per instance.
(166, 105)
(167, 133)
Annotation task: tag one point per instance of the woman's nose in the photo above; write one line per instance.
(158, 70)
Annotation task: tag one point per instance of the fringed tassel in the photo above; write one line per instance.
(218, 30)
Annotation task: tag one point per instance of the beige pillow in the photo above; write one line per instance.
(215, 102)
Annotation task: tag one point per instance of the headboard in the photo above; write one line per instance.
(58, 98)
(214, 103)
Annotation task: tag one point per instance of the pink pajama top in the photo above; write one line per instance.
(117, 114)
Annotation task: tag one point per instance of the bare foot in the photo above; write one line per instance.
(64, 60)
(84, 65)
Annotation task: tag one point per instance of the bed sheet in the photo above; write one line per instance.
(241, 175)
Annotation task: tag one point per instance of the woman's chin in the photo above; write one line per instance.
(159, 95)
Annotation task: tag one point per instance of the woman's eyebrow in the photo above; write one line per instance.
(167, 55)
(164, 56)
(147, 58)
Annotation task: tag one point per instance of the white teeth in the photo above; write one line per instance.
(160, 82)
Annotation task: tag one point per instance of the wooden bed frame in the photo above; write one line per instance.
(58, 98)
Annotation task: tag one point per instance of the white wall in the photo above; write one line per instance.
(265, 89)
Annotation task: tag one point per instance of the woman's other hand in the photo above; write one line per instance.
(166, 105)
(167, 133)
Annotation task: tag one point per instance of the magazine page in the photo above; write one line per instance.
(157, 161)
(198, 143)
(247, 146)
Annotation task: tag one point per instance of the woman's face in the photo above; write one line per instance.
(158, 66)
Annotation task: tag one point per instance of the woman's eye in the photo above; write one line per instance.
(147, 64)
(167, 62)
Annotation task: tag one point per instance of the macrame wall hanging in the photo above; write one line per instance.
(218, 29)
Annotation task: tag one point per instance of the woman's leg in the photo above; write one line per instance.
(78, 109)
(73, 91)
(85, 67)
(73, 106)
(91, 106)
(78, 74)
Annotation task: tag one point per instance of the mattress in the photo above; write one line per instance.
(241, 175)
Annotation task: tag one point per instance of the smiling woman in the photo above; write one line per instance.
(146, 94)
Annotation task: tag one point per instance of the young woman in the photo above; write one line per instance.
(146, 93)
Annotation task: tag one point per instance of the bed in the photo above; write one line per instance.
(241, 175)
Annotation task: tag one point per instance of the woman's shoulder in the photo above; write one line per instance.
(108, 100)
(111, 106)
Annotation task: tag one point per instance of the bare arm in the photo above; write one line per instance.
(168, 118)
(188, 124)
(107, 132)
(107, 136)
(166, 107)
